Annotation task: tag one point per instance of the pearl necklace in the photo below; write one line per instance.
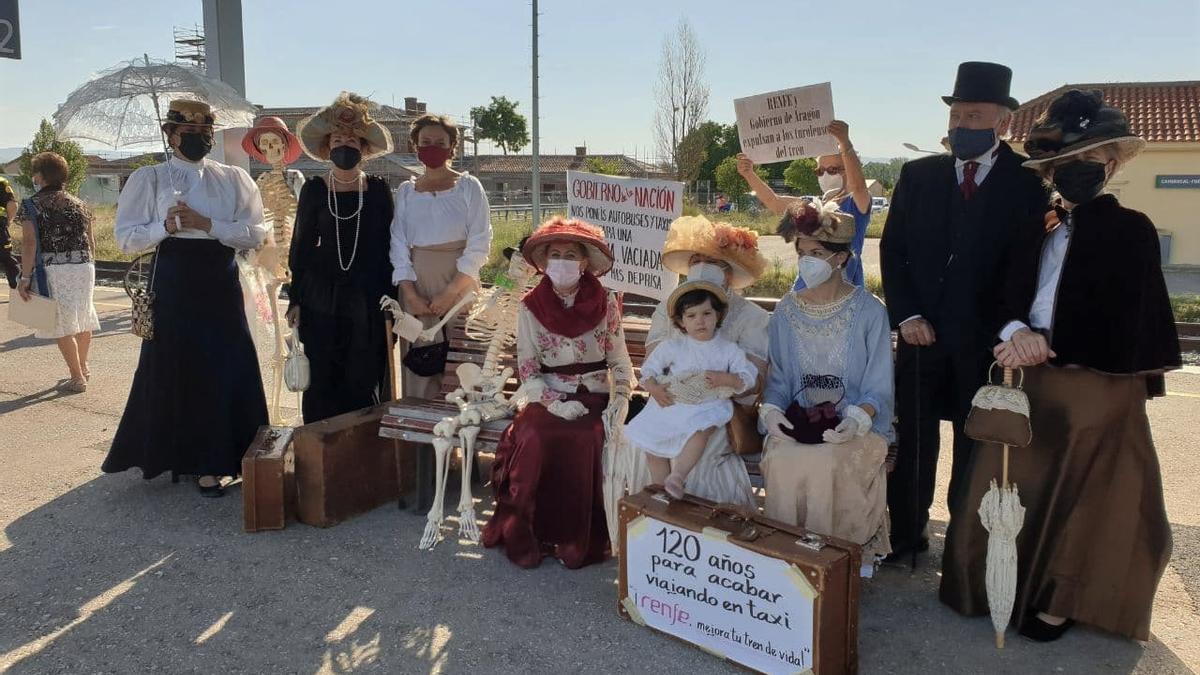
(331, 204)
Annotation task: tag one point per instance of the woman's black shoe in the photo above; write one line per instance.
(903, 557)
(1039, 631)
(211, 491)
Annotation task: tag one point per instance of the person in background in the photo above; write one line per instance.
(1091, 323)
(197, 396)
(948, 235)
(441, 237)
(57, 226)
(8, 205)
(339, 261)
(841, 179)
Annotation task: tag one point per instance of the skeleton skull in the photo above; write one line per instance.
(272, 146)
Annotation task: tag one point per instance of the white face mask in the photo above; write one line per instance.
(707, 271)
(563, 273)
(814, 271)
(830, 182)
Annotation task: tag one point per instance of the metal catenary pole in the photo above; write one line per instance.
(536, 213)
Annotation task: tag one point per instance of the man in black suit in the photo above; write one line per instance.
(943, 253)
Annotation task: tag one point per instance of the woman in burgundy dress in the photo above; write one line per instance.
(570, 353)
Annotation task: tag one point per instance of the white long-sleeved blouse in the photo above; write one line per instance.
(432, 218)
(224, 194)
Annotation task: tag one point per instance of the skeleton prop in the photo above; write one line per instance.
(272, 143)
(480, 396)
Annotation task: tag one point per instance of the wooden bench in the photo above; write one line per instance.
(411, 420)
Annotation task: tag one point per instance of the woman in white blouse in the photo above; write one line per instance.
(197, 396)
(441, 236)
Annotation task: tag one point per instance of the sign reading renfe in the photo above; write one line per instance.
(750, 608)
(784, 125)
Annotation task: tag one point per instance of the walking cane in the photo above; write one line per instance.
(917, 457)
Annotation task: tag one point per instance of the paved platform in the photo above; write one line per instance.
(112, 574)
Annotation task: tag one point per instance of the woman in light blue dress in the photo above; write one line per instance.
(827, 406)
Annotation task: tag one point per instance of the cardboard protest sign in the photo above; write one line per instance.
(728, 600)
(780, 126)
(636, 214)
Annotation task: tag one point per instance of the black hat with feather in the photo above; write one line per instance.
(1076, 122)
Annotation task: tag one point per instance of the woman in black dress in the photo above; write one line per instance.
(339, 262)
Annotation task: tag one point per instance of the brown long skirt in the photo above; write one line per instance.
(1096, 538)
(436, 266)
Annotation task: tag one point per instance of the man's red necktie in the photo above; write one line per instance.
(968, 185)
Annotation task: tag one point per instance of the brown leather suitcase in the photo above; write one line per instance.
(268, 480)
(343, 467)
(760, 593)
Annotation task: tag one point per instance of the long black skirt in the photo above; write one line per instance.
(197, 396)
(346, 342)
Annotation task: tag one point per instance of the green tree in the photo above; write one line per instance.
(608, 167)
(731, 183)
(886, 173)
(45, 140)
(148, 159)
(502, 124)
(720, 141)
(801, 175)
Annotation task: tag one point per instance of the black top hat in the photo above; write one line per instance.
(1076, 122)
(982, 82)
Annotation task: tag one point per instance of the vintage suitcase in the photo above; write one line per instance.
(268, 480)
(343, 467)
(766, 595)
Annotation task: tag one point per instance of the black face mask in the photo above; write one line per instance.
(195, 146)
(345, 157)
(1079, 181)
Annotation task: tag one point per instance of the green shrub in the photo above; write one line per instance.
(874, 284)
(875, 228)
(1186, 308)
(774, 283)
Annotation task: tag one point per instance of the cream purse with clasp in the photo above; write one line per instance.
(296, 373)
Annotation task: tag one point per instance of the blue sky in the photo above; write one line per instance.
(888, 61)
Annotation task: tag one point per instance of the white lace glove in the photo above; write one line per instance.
(568, 410)
(855, 424)
(772, 419)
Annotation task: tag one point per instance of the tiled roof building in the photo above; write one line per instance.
(1160, 112)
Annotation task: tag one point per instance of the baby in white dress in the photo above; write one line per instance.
(673, 434)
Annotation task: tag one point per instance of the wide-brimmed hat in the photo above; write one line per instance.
(187, 111)
(1076, 122)
(736, 246)
(272, 125)
(600, 256)
(823, 221)
(349, 113)
(687, 287)
(982, 82)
